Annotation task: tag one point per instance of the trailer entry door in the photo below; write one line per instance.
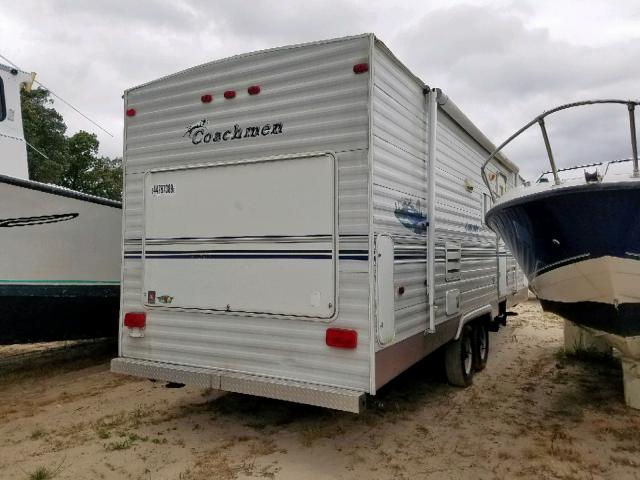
(256, 236)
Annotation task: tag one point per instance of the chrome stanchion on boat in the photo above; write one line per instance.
(634, 142)
(556, 179)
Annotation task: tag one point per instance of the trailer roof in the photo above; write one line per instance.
(248, 54)
(443, 101)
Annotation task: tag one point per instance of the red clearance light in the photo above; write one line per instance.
(206, 98)
(229, 94)
(131, 112)
(253, 89)
(341, 338)
(135, 319)
(361, 68)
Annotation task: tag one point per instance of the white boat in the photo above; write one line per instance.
(576, 234)
(59, 249)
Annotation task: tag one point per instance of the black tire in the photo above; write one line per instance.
(458, 359)
(480, 346)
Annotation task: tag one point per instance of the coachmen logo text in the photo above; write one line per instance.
(199, 133)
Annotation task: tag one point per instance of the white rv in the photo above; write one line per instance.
(59, 249)
(305, 223)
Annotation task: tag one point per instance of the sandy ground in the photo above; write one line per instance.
(534, 413)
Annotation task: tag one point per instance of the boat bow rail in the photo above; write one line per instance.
(540, 120)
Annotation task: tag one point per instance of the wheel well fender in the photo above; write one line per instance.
(468, 317)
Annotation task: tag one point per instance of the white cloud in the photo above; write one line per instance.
(503, 73)
(501, 61)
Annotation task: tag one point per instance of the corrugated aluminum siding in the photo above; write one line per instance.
(459, 218)
(323, 106)
(399, 173)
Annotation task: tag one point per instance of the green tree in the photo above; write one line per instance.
(82, 149)
(45, 129)
(108, 178)
(71, 162)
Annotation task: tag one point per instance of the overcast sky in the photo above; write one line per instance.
(501, 61)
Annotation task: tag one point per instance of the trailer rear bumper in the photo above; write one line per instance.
(288, 390)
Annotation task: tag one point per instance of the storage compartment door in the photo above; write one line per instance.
(252, 237)
(385, 290)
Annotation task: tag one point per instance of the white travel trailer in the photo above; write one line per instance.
(285, 234)
(59, 249)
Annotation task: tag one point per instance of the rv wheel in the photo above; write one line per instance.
(458, 359)
(480, 346)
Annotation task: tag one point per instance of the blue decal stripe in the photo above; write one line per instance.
(235, 256)
(252, 254)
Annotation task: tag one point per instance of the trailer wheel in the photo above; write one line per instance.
(480, 346)
(458, 359)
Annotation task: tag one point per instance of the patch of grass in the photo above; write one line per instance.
(561, 447)
(105, 425)
(627, 448)
(530, 454)
(122, 444)
(566, 453)
(44, 473)
(504, 455)
(103, 432)
(628, 434)
(624, 461)
(41, 473)
(586, 355)
(262, 447)
(137, 415)
(569, 406)
(593, 379)
(216, 464)
(270, 471)
(134, 437)
(37, 433)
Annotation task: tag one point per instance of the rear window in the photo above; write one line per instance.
(3, 104)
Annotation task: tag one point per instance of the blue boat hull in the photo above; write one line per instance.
(563, 231)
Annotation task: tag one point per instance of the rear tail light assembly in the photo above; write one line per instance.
(135, 322)
(341, 338)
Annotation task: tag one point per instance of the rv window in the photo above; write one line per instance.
(3, 103)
